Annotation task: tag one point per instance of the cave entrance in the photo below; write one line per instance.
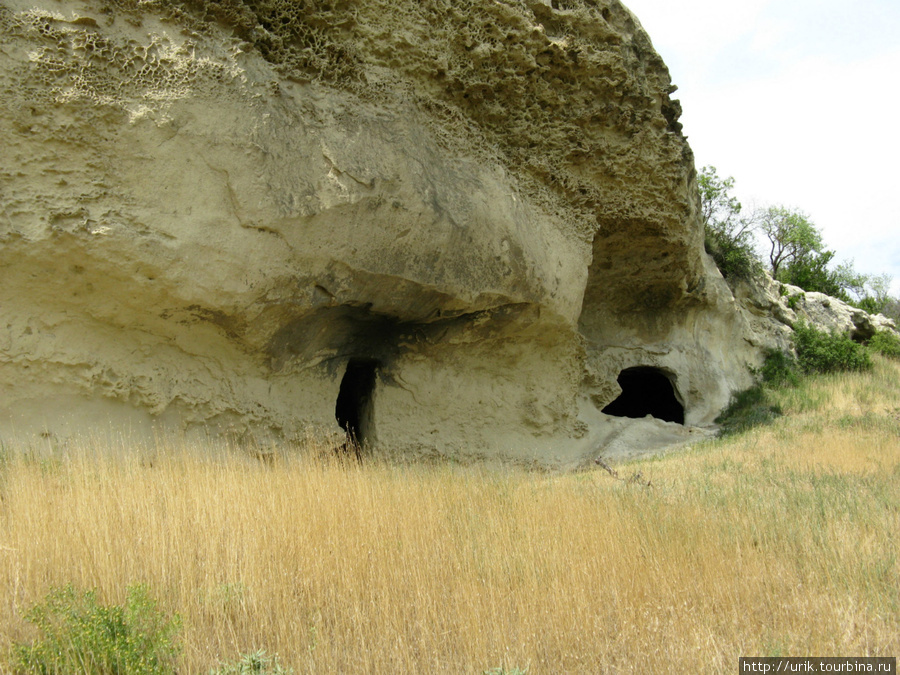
(353, 409)
(646, 391)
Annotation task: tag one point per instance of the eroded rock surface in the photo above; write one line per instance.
(214, 212)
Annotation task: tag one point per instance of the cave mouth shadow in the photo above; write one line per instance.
(647, 391)
(354, 407)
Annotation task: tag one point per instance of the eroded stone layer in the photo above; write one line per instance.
(211, 208)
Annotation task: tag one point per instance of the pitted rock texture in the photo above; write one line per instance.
(214, 211)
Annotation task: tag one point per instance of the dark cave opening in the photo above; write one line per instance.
(646, 391)
(353, 409)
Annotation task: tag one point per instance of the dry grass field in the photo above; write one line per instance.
(781, 541)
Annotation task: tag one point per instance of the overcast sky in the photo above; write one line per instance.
(799, 101)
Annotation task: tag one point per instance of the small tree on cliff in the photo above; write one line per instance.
(792, 237)
(729, 236)
(792, 243)
(797, 255)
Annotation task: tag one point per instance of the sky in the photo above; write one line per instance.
(799, 101)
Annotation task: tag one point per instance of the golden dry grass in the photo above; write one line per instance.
(782, 541)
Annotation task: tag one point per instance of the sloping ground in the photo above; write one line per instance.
(782, 540)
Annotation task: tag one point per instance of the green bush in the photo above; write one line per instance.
(817, 352)
(870, 304)
(891, 309)
(887, 343)
(729, 237)
(749, 408)
(735, 259)
(257, 663)
(80, 636)
(779, 369)
(821, 352)
(753, 407)
(811, 273)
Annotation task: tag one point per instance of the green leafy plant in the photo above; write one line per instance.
(256, 663)
(821, 352)
(891, 309)
(729, 237)
(779, 369)
(817, 352)
(791, 235)
(872, 291)
(797, 255)
(749, 408)
(886, 343)
(753, 407)
(735, 259)
(812, 273)
(80, 636)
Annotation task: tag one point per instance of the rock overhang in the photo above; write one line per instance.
(494, 201)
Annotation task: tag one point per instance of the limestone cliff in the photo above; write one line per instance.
(446, 225)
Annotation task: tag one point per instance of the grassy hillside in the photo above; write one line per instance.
(780, 541)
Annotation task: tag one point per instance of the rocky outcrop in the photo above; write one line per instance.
(446, 226)
(787, 304)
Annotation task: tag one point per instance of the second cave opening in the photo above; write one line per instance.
(646, 391)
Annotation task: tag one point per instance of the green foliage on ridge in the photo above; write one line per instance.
(790, 242)
(821, 352)
(816, 352)
(885, 343)
(729, 236)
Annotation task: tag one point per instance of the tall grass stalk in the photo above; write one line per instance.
(779, 541)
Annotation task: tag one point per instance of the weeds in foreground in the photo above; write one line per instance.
(79, 636)
(256, 663)
(750, 408)
(781, 539)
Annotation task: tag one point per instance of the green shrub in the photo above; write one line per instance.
(729, 237)
(870, 304)
(80, 636)
(735, 259)
(256, 663)
(817, 352)
(811, 272)
(821, 352)
(779, 369)
(887, 343)
(891, 309)
(749, 408)
(754, 406)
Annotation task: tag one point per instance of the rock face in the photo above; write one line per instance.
(783, 304)
(445, 227)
